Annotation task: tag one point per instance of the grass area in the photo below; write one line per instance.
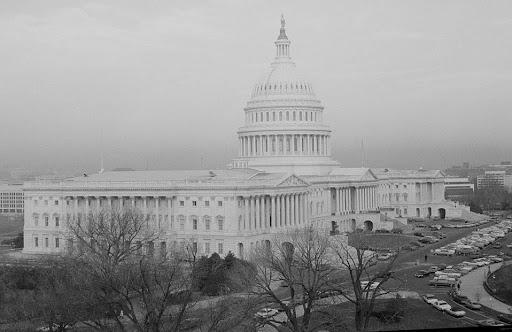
(417, 315)
(10, 226)
(500, 283)
(379, 240)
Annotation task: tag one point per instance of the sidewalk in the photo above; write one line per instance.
(472, 285)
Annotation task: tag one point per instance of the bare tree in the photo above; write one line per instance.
(297, 260)
(230, 314)
(366, 280)
(117, 254)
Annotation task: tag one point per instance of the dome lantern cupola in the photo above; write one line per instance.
(282, 43)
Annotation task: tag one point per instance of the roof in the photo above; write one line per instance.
(345, 175)
(387, 173)
(224, 178)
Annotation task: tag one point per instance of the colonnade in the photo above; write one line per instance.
(156, 206)
(268, 212)
(284, 144)
(355, 199)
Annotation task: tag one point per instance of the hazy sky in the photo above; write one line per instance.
(163, 84)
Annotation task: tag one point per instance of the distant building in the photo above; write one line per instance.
(491, 179)
(11, 199)
(458, 189)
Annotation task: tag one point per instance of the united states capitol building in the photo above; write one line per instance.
(284, 177)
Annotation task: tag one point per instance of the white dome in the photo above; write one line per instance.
(283, 80)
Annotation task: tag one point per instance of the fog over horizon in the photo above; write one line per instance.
(162, 85)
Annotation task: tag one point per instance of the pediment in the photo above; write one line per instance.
(292, 181)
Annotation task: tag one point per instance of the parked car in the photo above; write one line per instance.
(419, 234)
(472, 305)
(505, 318)
(433, 269)
(441, 305)
(455, 312)
(490, 322)
(497, 245)
(459, 298)
(421, 274)
(266, 313)
(442, 282)
(384, 257)
(429, 298)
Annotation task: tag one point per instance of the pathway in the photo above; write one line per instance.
(472, 285)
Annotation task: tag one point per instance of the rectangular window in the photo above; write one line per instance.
(207, 224)
(194, 203)
(56, 242)
(194, 224)
(182, 225)
(46, 242)
(35, 202)
(219, 203)
(46, 220)
(57, 221)
(182, 203)
(220, 248)
(194, 247)
(46, 202)
(207, 248)
(221, 224)
(206, 203)
(56, 202)
(36, 241)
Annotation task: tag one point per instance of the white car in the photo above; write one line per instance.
(266, 313)
(429, 298)
(441, 305)
(455, 312)
(383, 257)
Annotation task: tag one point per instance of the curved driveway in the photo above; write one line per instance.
(472, 285)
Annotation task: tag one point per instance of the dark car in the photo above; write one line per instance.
(420, 234)
(459, 298)
(505, 318)
(421, 273)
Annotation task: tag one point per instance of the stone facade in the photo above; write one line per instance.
(284, 178)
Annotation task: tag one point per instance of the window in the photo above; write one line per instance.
(207, 248)
(267, 117)
(35, 202)
(287, 116)
(220, 249)
(293, 115)
(36, 241)
(194, 203)
(46, 242)
(194, 247)
(56, 202)
(182, 203)
(405, 197)
(57, 221)
(220, 222)
(405, 211)
(56, 242)
(46, 220)
(46, 202)
(219, 203)
(36, 220)
(206, 203)
(280, 119)
(181, 220)
(273, 116)
(207, 223)
(194, 223)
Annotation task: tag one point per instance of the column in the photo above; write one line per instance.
(157, 212)
(295, 209)
(257, 208)
(278, 211)
(282, 210)
(338, 201)
(251, 213)
(287, 210)
(262, 212)
(273, 213)
(87, 206)
(299, 208)
(246, 212)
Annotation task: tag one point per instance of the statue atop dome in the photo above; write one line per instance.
(282, 32)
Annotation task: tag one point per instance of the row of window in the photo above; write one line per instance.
(309, 116)
(206, 203)
(46, 202)
(46, 243)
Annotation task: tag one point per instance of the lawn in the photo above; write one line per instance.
(379, 240)
(500, 283)
(417, 315)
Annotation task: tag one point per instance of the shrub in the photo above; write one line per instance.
(397, 231)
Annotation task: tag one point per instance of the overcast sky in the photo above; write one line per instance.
(163, 84)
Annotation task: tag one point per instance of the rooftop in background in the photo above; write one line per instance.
(387, 173)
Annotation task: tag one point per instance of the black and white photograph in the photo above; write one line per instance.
(255, 166)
